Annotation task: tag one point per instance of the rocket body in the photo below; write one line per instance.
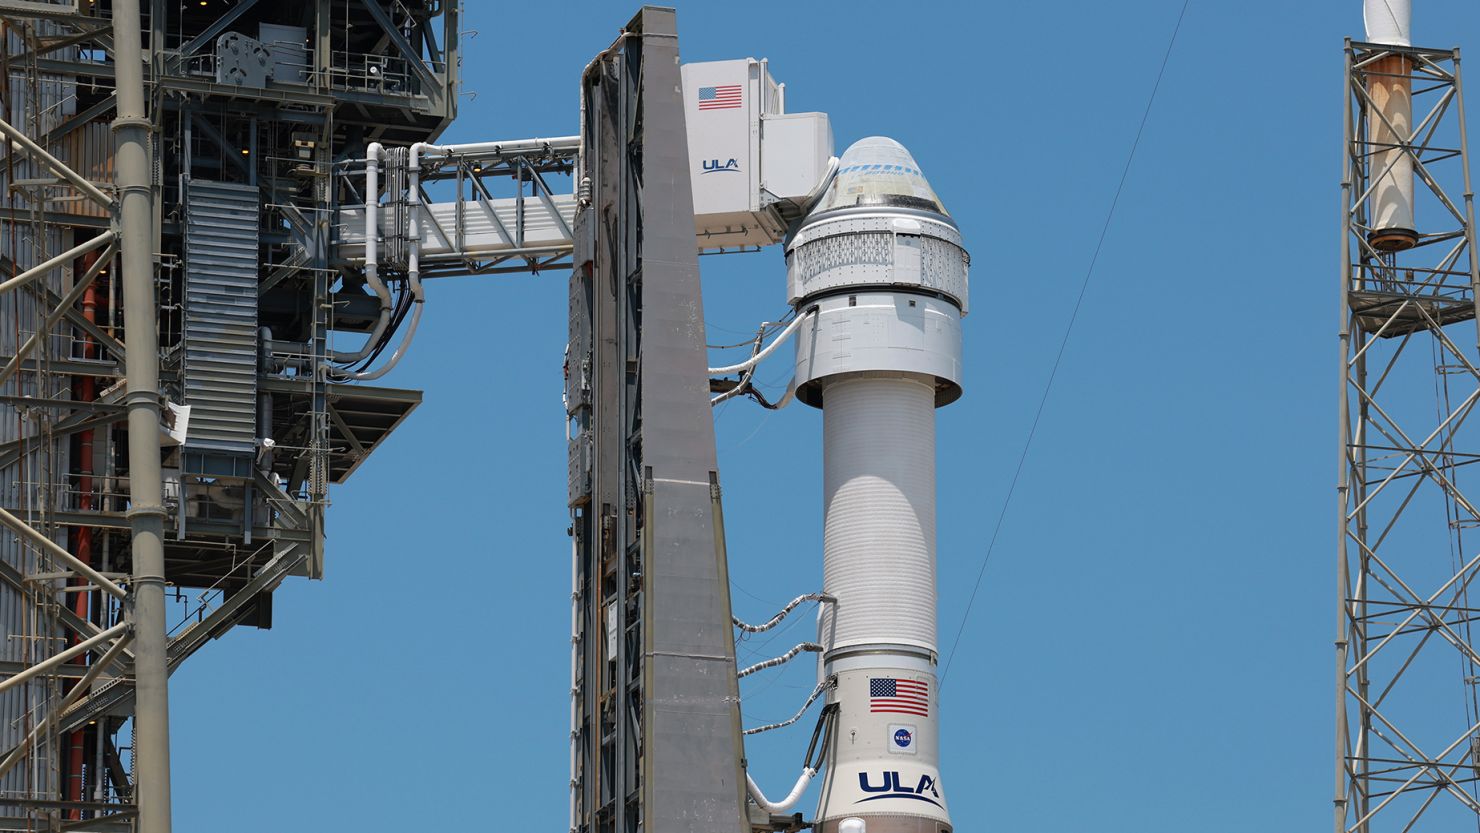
(879, 268)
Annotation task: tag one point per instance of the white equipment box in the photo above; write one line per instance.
(754, 166)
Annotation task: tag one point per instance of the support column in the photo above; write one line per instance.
(146, 507)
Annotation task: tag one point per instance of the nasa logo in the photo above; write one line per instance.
(901, 739)
(894, 787)
(714, 166)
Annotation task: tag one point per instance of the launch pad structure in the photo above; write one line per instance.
(176, 410)
(205, 202)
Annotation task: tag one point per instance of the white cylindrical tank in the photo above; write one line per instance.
(878, 268)
(1389, 124)
(1388, 21)
(879, 521)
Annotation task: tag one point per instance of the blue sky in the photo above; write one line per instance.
(1151, 647)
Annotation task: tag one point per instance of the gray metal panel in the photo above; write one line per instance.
(220, 361)
(288, 46)
(693, 773)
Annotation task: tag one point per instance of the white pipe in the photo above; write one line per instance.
(401, 349)
(770, 348)
(413, 269)
(791, 798)
(1388, 21)
(518, 146)
(373, 154)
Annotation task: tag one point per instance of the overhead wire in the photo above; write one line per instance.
(1064, 342)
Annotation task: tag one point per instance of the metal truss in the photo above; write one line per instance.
(472, 224)
(655, 722)
(85, 554)
(1408, 720)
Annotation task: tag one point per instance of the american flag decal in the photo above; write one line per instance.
(887, 694)
(726, 97)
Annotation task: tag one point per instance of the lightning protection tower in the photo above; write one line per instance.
(1408, 721)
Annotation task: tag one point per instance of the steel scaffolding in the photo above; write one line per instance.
(1408, 720)
(174, 411)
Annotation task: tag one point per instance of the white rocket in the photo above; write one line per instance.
(878, 271)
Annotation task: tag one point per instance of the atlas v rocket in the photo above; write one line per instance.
(878, 269)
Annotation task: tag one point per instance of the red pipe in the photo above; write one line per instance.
(84, 389)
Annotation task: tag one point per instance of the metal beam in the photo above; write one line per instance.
(217, 26)
(109, 658)
(26, 531)
(57, 261)
(55, 165)
(220, 620)
(10, 452)
(91, 113)
(215, 135)
(57, 659)
(78, 288)
(107, 342)
(429, 81)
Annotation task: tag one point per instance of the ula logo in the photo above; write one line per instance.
(714, 166)
(893, 787)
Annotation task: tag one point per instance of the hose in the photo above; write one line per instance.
(770, 348)
(790, 606)
(775, 661)
(413, 275)
(373, 155)
(791, 798)
(811, 698)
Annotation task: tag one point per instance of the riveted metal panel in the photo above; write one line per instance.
(220, 359)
